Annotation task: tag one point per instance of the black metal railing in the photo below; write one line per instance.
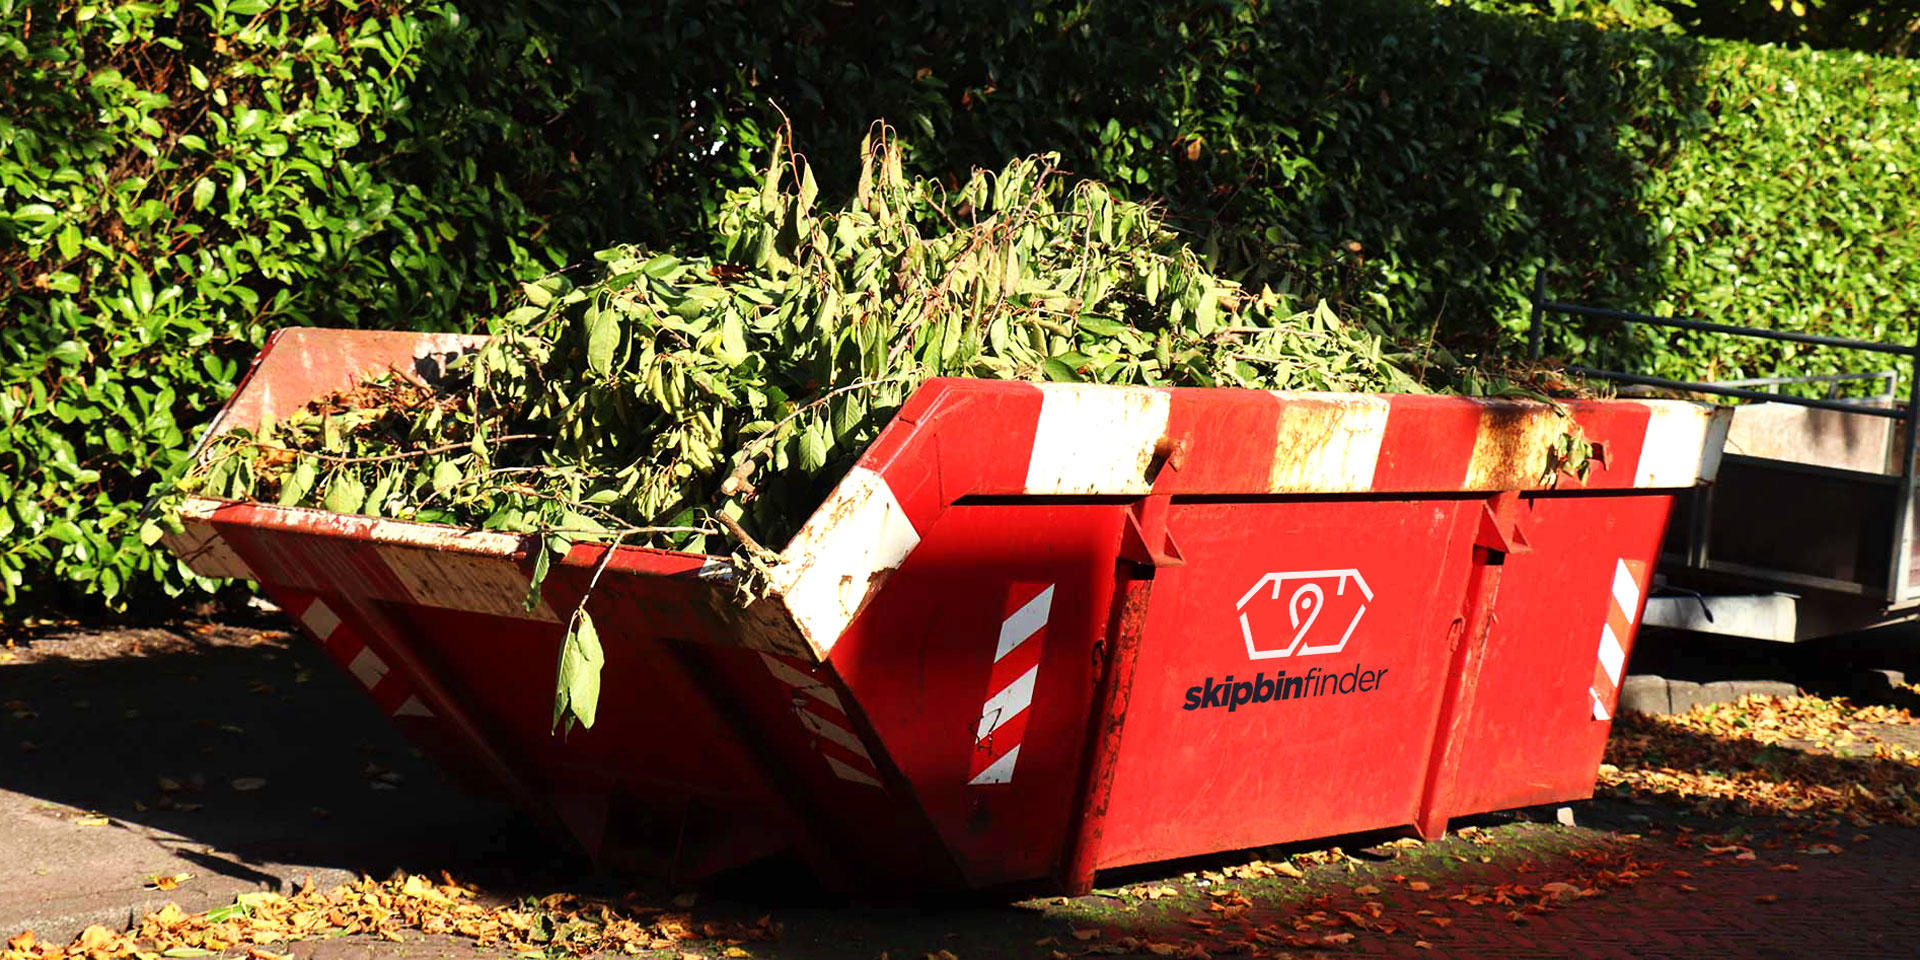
(1889, 379)
(1740, 389)
(1900, 587)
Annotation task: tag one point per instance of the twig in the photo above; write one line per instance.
(606, 556)
(746, 539)
(409, 455)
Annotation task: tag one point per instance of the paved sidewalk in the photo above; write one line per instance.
(233, 754)
(131, 755)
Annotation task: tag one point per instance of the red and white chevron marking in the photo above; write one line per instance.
(344, 643)
(1623, 602)
(818, 708)
(1016, 665)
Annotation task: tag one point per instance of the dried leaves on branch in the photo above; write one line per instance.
(671, 389)
(698, 402)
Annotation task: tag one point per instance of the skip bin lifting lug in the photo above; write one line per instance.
(1145, 540)
(1500, 525)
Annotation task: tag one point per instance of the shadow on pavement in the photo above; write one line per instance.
(232, 747)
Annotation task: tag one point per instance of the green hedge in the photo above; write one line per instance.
(176, 180)
(1794, 206)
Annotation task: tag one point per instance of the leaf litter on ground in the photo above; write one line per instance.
(261, 925)
(1323, 916)
(1770, 756)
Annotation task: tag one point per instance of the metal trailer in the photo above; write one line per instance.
(1809, 530)
(1038, 630)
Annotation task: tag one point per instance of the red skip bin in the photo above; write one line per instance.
(1040, 629)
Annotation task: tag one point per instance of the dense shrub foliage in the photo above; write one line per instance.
(178, 179)
(1794, 205)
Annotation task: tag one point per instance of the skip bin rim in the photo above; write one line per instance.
(1089, 440)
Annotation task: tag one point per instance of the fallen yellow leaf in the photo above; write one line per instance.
(1419, 885)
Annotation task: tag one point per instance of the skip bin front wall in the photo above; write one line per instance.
(1215, 778)
(975, 665)
(1346, 748)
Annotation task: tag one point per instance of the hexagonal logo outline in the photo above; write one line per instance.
(1294, 610)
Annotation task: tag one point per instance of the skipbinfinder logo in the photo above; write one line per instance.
(1316, 620)
(1233, 695)
(1297, 629)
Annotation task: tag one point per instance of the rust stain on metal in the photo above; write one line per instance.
(1510, 450)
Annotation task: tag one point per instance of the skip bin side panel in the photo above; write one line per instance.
(1348, 606)
(1563, 628)
(973, 668)
(300, 364)
(384, 608)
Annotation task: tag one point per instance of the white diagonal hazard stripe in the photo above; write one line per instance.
(1612, 657)
(1623, 601)
(320, 620)
(412, 707)
(845, 772)
(821, 728)
(1000, 771)
(1626, 591)
(368, 666)
(834, 732)
(1017, 654)
(801, 682)
(1007, 704)
(1024, 623)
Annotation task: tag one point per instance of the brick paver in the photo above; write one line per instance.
(1863, 903)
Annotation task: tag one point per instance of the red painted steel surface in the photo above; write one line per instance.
(1037, 631)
